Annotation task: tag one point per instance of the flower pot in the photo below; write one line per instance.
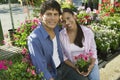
(11, 35)
(84, 69)
(1, 34)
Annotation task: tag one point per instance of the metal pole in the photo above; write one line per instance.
(1, 34)
(11, 14)
(100, 2)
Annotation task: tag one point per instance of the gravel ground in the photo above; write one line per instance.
(18, 12)
(112, 70)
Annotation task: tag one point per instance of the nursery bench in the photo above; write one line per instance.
(7, 51)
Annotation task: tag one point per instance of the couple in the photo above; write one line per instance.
(48, 45)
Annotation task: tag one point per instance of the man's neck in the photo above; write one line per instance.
(50, 31)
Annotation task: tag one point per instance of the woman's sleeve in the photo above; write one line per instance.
(62, 45)
(93, 45)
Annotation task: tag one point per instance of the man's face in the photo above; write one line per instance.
(50, 18)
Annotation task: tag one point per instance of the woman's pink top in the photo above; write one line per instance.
(88, 44)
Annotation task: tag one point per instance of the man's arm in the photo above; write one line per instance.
(38, 59)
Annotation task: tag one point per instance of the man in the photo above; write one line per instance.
(44, 44)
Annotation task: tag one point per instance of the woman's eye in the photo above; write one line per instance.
(63, 21)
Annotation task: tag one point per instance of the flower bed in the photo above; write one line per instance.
(19, 66)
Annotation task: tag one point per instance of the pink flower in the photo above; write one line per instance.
(76, 57)
(24, 51)
(33, 72)
(80, 56)
(24, 60)
(33, 27)
(90, 54)
(22, 31)
(10, 62)
(28, 21)
(18, 30)
(85, 58)
(3, 42)
(4, 64)
(5, 67)
(36, 21)
(28, 69)
(1, 65)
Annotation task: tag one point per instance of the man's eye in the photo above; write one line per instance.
(48, 14)
(56, 14)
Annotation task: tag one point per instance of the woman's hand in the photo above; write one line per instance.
(89, 70)
(86, 73)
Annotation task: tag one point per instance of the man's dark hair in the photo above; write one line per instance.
(48, 5)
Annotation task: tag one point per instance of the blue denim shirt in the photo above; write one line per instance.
(41, 50)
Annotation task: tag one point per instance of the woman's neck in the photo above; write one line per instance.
(72, 35)
(73, 30)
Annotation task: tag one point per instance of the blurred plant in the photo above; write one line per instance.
(117, 7)
(22, 68)
(67, 5)
(23, 31)
(4, 64)
(84, 18)
(18, 67)
(107, 8)
(106, 39)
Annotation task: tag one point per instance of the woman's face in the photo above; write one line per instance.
(69, 20)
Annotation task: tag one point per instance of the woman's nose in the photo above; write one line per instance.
(67, 22)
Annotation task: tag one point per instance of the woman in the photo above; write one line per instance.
(76, 39)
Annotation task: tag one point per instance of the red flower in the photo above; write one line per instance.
(112, 10)
(87, 17)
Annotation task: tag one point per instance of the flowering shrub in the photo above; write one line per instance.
(21, 67)
(20, 37)
(83, 61)
(88, 17)
(117, 6)
(84, 18)
(18, 67)
(108, 8)
(4, 64)
(107, 39)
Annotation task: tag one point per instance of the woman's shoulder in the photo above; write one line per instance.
(87, 30)
(63, 31)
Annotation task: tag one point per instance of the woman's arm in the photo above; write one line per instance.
(69, 63)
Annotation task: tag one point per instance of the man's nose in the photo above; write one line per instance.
(52, 16)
